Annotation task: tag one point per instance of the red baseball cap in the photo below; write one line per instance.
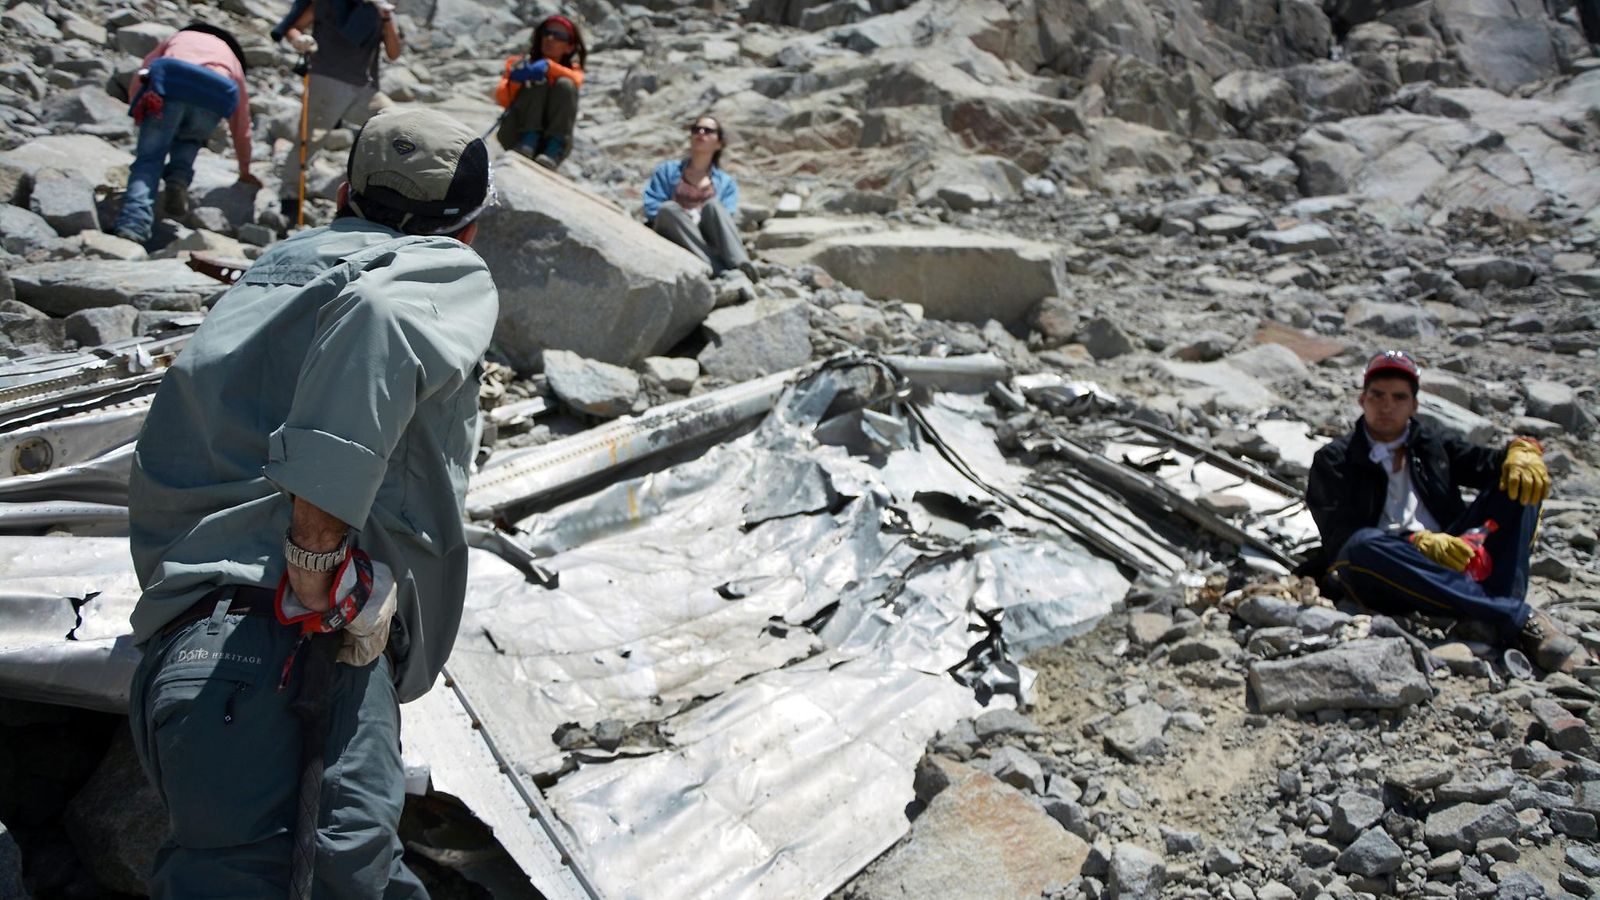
(1393, 363)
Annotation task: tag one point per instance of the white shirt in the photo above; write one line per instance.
(1403, 510)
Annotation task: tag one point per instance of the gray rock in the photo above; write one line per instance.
(756, 339)
(1309, 238)
(22, 231)
(1372, 854)
(1265, 611)
(1443, 416)
(1179, 842)
(117, 821)
(140, 39)
(961, 275)
(22, 331)
(1575, 823)
(1496, 785)
(1477, 271)
(564, 260)
(93, 327)
(1353, 813)
(1584, 859)
(1136, 733)
(1418, 775)
(999, 722)
(1016, 768)
(88, 106)
(65, 200)
(1497, 43)
(1321, 620)
(675, 373)
(1146, 629)
(977, 838)
(1391, 319)
(1224, 861)
(63, 288)
(1104, 339)
(99, 245)
(103, 165)
(1366, 674)
(1462, 826)
(591, 387)
(259, 235)
(1135, 874)
(26, 18)
(1558, 403)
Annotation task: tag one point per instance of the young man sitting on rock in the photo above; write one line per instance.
(1387, 501)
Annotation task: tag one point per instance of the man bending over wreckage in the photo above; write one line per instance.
(1396, 535)
(296, 522)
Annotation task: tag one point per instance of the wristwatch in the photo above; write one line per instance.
(308, 561)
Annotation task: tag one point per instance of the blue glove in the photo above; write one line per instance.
(526, 71)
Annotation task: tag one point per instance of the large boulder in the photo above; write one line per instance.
(102, 164)
(1367, 674)
(1502, 43)
(63, 288)
(978, 838)
(576, 273)
(953, 274)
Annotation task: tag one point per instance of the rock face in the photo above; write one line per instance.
(953, 274)
(1367, 674)
(576, 273)
(977, 838)
(756, 339)
(63, 288)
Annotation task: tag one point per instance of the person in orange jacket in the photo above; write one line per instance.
(540, 93)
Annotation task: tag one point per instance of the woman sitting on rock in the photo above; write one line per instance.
(540, 93)
(692, 203)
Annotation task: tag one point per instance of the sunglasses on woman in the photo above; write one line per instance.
(701, 129)
(561, 36)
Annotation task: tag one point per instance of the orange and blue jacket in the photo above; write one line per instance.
(506, 90)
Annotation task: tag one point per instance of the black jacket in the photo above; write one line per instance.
(1347, 489)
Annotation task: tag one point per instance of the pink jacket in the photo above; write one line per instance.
(208, 50)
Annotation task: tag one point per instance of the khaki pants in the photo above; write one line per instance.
(330, 101)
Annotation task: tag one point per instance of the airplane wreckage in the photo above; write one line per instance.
(704, 646)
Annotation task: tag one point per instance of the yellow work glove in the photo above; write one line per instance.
(1445, 549)
(1523, 476)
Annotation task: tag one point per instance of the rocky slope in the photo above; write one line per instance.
(1145, 193)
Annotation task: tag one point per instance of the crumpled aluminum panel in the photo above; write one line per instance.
(784, 787)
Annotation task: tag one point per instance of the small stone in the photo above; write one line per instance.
(1016, 768)
(1500, 848)
(676, 373)
(1445, 864)
(999, 722)
(1104, 339)
(608, 733)
(1135, 874)
(589, 386)
(1462, 826)
(1135, 733)
(1372, 854)
(1224, 861)
(1353, 814)
(102, 325)
(1180, 842)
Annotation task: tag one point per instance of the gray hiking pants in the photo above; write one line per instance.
(713, 238)
(330, 102)
(216, 736)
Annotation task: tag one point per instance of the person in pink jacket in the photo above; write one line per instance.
(189, 83)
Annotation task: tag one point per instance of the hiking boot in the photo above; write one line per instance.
(1553, 650)
(175, 199)
(553, 152)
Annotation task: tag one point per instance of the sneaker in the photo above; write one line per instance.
(1553, 650)
(548, 161)
(175, 198)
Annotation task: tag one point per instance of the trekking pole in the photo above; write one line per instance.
(311, 705)
(304, 68)
(502, 118)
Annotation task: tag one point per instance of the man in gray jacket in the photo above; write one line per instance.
(327, 402)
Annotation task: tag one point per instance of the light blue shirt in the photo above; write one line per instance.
(665, 182)
(340, 369)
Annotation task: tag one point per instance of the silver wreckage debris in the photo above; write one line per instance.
(704, 646)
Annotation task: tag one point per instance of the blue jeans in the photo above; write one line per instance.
(167, 147)
(1385, 572)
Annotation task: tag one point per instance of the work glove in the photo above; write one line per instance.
(367, 634)
(303, 43)
(1445, 549)
(530, 70)
(1523, 476)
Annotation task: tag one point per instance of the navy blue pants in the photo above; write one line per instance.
(1385, 572)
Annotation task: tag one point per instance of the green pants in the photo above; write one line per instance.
(549, 110)
(216, 736)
